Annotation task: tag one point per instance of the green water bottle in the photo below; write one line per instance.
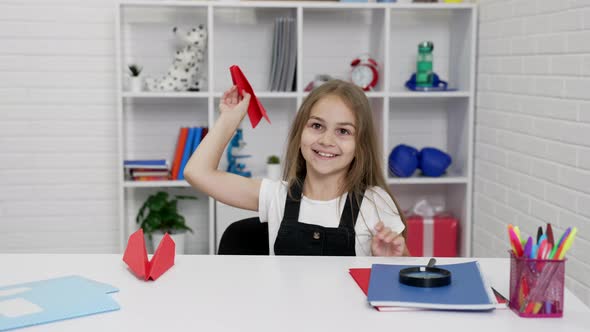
(424, 76)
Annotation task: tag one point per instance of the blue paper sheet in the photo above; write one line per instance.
(53, 300)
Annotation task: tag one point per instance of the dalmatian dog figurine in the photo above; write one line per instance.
(186, 71)
(199, 80)
(180, 75)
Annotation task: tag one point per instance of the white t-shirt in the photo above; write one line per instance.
(377, 206)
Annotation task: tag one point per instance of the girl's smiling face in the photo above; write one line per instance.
(328, 139)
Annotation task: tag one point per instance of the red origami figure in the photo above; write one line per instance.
(136, 256)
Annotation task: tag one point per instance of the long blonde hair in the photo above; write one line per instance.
(366, 169)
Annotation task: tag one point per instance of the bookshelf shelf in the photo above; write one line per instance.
(165, 95)
(427, 180)
(329, 36)
(268, 94)
(155, 184)
(437, 94)
(296, 4)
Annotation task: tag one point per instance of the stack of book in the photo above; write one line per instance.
(284, 55)
(147, 169)
(158, 169)
(468, 291)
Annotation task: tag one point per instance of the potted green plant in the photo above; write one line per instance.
(159, 215)
(135, 80)
(273, 167)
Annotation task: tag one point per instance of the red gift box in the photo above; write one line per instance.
(435, 236)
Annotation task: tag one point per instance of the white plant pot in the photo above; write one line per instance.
(273, 171)
(178, 239)
(136, 84)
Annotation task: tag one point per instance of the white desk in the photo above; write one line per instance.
(233, 293)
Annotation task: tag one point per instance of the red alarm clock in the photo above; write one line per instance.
(364, 72)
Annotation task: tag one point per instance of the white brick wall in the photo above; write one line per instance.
(58, 189)
(533, 126)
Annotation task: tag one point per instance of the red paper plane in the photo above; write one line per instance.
(255, 110)
(136, 256)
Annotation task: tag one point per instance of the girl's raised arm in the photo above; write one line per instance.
(201, 169)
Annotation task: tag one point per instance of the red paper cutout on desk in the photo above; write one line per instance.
(136, 256)
(255, 109)
(362, 276)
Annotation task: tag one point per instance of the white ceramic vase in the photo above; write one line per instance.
(178, 239)
(136, 84)
(273, 171)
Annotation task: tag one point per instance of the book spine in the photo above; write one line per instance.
(150, 162)
(150, 178)
(182, 136)
(197, 138)
(187, 152)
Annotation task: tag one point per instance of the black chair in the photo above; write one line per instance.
(245, 237)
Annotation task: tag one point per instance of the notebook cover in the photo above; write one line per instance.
(467, 291)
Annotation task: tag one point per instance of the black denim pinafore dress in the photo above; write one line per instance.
(299, 238)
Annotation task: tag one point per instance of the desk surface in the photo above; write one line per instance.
(241, 293)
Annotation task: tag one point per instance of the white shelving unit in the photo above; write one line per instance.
(329, 36)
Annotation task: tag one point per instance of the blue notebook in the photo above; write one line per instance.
(467, 291)
(52, 300)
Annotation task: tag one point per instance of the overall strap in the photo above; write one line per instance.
(351, 211)
(292, 205)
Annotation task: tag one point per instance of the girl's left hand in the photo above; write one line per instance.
(387, 242)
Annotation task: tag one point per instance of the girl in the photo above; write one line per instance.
(333, 200)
